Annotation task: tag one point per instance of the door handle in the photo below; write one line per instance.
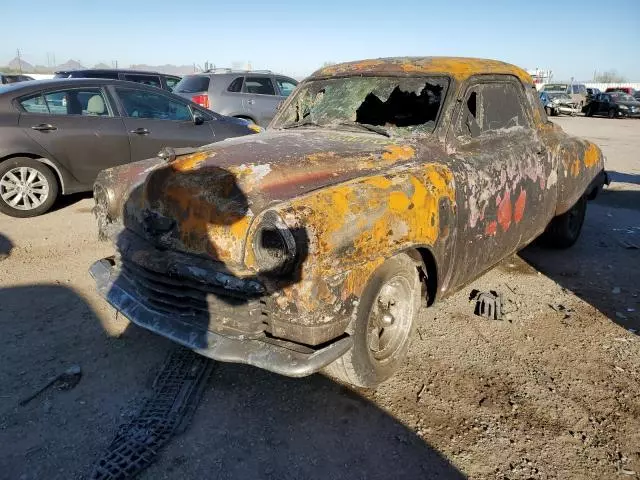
(251, 101)
(140, 131)
(44, 127)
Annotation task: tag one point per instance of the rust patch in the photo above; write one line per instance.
(518, 210)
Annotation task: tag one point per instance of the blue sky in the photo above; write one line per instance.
(570, 37)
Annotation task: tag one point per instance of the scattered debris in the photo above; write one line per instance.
(64, 381)
(621, 316)
(488, 304)
(632, 330)
(562, 309)
(616, 290)
(420, 392)
(178, 388)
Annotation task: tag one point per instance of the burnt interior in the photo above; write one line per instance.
(402, 108)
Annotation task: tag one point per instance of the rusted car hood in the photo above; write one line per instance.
(204, 202)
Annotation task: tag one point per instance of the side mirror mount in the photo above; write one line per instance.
(198, 119)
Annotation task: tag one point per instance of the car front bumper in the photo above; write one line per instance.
(272, 354)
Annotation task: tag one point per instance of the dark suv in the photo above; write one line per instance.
(155, 79)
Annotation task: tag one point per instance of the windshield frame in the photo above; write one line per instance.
(444, 79)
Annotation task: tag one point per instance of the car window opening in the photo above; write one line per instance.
(396, 106)
(402, 108)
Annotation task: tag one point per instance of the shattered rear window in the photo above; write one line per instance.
(397, 106)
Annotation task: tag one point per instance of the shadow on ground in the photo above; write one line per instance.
(251, 424)
(67, 200)
(6, 245)
(624, 177)
(254, 424)
(602, 268)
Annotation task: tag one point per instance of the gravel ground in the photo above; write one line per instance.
(553, 391)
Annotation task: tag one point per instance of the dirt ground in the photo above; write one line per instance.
(553, 391)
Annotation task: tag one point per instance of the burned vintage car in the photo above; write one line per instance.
(379, 187)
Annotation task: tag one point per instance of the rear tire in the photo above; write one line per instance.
(589, 112)
(564, 230)
(612, 113)
(28, 188)
(386, 319)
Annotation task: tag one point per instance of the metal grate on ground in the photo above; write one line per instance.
(177, 390)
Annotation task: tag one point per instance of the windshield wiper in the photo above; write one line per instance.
(305, 123)
(366, 126)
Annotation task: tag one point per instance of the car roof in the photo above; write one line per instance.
(232, 72)
(21, 88)
(114, 70)
(458, 67)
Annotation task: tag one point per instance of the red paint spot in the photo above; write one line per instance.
(518, 210)
(491, 228)
(504, 211)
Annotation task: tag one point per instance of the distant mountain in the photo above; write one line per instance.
(170, 69)
(102, 66)
(70, 65)
(17, 63)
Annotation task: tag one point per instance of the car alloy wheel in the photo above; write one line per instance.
(24, 188)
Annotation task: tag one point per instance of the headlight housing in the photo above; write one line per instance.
(274, 246)
(623, 107)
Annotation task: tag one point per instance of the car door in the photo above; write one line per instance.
(501, 169)
(155, 119)
(78, 127)
(604, 103)
(260, 100)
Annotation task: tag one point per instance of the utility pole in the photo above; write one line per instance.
(19, 61)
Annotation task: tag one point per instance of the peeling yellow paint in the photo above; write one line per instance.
(458, 67)
(190, 162)
(591, 156)
(379, 182)
(399, 202)
(398, 152)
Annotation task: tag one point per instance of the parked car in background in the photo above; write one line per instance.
(154, 79)
(7, 78)
(555, 103)
(56, 135)
(381, 187)
(577, 91)
(637, 95)
(613, 105)
(627, 90)
(591, 93)
(252, 95)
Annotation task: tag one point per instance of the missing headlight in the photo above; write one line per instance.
(274, 246)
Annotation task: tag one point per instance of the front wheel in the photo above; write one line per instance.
(28, 188)
(386, 319)
(564, 230)
(612, 113)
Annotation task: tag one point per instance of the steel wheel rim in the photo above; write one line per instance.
(390, 318)
(24, 188)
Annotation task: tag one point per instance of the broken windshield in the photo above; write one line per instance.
(385, 105)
